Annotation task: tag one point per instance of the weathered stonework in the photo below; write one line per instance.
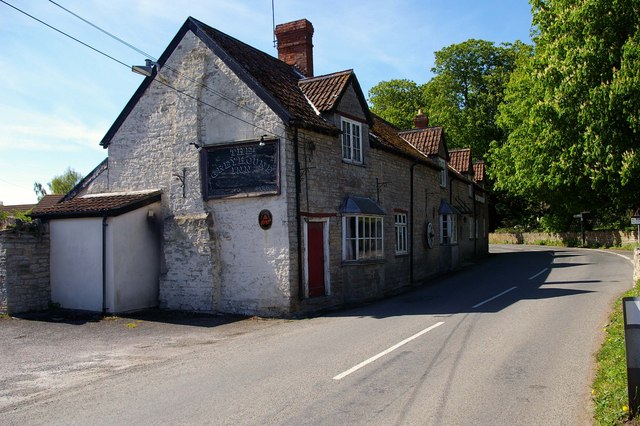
(24, 271)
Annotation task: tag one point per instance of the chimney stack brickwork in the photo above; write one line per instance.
(420, 121)
(295, 45)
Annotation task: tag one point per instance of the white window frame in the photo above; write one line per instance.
(448, 229)
(443, 172)
(362, 237)
(351, 138)
(402, 236)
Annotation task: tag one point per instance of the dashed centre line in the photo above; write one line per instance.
(538, 274)
(385, 352)
(494, 297)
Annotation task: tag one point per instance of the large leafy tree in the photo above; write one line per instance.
(469, 83)
(572, 111)
(60, 184)
(463, 96)
(397, 101)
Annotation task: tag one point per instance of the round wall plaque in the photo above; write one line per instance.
(265, 219)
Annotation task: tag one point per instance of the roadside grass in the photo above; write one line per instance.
(609, 388)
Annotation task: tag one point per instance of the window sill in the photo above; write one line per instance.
(353, 163)
(363, 262)
(402, 254)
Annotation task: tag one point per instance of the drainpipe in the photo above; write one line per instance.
(411, 236)
(475, 220)
(104, 265)
(296, 160)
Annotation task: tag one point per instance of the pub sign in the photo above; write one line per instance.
(241, 169)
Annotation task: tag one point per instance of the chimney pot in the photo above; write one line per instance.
(420, 121)
(295, 45)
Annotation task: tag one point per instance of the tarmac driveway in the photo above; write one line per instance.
(43, 353)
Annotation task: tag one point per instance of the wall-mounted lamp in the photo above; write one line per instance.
(262, 140)
(146, 70)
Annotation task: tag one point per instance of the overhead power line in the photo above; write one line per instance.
(65, 34)
(164, 66)
(157, 80)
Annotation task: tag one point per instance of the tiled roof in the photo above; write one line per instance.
(98, 205)
(387, 137)
(47, 201)
(426, 140)
(276, 77)
(16, 208)
(460, 159)
(324, 91)
(478, 171)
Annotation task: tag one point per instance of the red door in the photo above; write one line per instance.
(315, 266)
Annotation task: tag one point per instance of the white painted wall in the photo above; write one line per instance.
(133, 245)
(76, 263)
(214, 256)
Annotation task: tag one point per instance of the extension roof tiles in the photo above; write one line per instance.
(427, 140)
(478, 171)
(460, 159)
(386, 137)
(98, 205)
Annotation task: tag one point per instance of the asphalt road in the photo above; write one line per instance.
(509, 341)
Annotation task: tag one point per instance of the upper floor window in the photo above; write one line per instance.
(443, 172)
(351, 141)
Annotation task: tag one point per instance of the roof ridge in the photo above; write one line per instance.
(325, 76)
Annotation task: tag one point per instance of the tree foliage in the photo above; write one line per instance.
(463, 96)
(469, 83)
(397, 101)
(571, 111)
(59, 185)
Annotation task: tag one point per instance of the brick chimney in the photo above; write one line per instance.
(420, 121)
(295, 46)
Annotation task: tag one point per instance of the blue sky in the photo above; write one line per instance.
(58, 98)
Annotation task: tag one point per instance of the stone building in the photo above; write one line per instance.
(279, 191)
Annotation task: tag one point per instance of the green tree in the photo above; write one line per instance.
(60, 184)
(397, 101)
(468, 86)
(572, 111)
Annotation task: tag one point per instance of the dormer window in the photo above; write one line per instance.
(443, 172)
(351, 141)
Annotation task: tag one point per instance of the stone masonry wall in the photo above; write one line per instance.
(24, 271)
(214, 255)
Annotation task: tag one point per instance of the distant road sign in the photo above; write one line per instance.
(635, 220)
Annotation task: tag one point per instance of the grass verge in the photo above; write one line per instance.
(610, 385)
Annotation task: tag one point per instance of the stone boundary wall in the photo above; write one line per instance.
(24, 270)
(592, 238)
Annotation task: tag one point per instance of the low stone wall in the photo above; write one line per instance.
(24, 270)
(592, 238)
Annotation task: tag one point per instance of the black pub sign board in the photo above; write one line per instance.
(241, 169)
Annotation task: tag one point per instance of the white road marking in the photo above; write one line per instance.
(494, 297)
(617, 254)
(383, 353)
(539, 273)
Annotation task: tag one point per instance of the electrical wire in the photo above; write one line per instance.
(165, 66)
(157, 80)
(65, 34)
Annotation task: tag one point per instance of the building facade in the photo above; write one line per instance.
(281, 193)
